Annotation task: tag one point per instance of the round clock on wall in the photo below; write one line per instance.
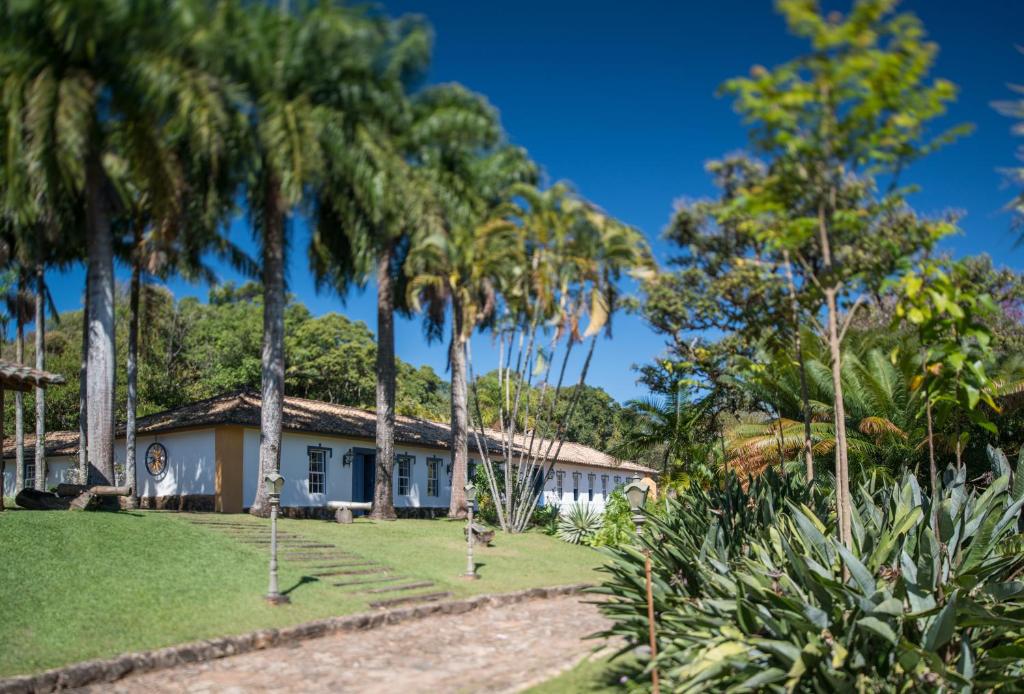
(156, 459)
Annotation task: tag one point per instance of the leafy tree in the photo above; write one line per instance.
(856, 106)
(951, 352)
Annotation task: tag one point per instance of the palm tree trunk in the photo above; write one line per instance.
(133, 372)
(383, 502)
(272, 390)
(83, 401)
(19, 397)
(101, 363)
(41, 365)
(460, 451)
(808, 448)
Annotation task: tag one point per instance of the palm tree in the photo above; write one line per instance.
(457, 144)
(672, 430)
(114, 108)
(371, 203)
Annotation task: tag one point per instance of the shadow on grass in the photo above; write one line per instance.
(302, 581)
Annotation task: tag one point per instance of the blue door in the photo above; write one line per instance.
(364, 474)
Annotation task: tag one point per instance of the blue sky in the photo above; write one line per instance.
(620, 99)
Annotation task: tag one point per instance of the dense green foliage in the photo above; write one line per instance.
(753, 590)
(191, 350)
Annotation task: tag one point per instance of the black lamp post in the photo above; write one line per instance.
(471, 573)
(636, 495)
(274, 482)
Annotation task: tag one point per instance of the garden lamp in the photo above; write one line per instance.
(636, 495)
(470, 490)
(275, 483)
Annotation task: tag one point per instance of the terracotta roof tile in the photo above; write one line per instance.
(300, 414)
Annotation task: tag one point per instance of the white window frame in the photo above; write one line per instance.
(576, 477)
(404, 465)
(560, 483)
(433, 477)
(316, 479)
(604, 485)
(591, 478)
(30, 473)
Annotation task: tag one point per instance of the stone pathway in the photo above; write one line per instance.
(380, 584)
(493, 649)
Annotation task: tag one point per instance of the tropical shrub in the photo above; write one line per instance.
(616, 522)
(546, 518)
(788, 607)
(579, 524)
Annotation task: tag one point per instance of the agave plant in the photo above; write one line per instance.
(579, 524)
(788, 607)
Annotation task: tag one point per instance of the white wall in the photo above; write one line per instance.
(191, 463)
(58, 469)
(295, 470)
(601, 488)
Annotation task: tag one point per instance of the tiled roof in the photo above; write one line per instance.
(315, 416)
(57, 443)
(15, 376)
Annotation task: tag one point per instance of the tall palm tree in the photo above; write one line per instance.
(371, 203)
(90, 115)
(457, 143)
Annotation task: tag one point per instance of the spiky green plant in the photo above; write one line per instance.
(579, 524)
(769, 609)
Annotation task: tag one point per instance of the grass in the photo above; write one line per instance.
(593, 675)
(75, 586)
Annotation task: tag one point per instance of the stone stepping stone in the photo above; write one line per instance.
(404, 586)
(410, 600)
(342, 565)
(357, 571)
(372, 579)
(343, 569)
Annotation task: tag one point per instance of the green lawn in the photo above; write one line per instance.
(595, 675)
(75, 586)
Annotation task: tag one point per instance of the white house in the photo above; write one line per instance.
(205, 456)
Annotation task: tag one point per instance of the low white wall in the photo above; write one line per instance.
(191, 463)
(58, 469)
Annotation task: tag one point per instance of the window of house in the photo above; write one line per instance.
(433, 470)
(576, 476)
(404, 472)
(30, 474)
(591, 478)
(317, 479)
(604, 486)
(618, 481)
(559, 482)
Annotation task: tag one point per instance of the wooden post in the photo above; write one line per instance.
(650, 622)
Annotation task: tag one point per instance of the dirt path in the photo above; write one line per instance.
(496, 649)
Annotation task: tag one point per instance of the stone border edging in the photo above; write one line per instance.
(112, 669)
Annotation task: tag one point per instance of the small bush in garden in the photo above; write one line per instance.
(617, 522)
(917, 609)
(546, 518)
(579, 524)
